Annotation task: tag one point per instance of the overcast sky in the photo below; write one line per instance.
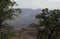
(34, 4)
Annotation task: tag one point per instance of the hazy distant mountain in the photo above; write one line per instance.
(31, 10)
(25, 18)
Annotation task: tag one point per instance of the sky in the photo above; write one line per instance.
(36, 4)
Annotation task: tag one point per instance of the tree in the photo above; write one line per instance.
(50, 19)
(6, 12)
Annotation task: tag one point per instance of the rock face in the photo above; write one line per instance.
(30, 32)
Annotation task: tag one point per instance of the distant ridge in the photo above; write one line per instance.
(25, 18)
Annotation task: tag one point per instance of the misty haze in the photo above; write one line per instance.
(25, 18)
(29, 19)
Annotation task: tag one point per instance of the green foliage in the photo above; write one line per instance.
(6, 12)
(6, 32)
(50, 19)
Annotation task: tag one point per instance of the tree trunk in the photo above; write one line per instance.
(49, 36)
(39, 35)
(1, 22)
